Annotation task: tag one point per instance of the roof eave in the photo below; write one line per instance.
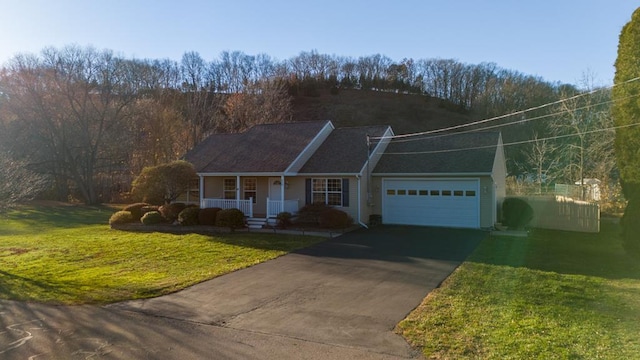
(439, 174)
(229, 174)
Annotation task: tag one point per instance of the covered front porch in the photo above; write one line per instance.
(255, 196)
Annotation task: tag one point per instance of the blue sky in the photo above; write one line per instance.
(559, 40)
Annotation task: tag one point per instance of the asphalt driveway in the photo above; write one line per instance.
(348, 292)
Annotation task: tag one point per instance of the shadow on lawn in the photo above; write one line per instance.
(67, 216)
(17, 287)
(564, 252)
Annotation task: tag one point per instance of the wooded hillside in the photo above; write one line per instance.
(89, 120)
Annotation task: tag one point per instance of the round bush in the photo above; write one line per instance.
(150, 208)
(334, 219)
(151, 218)
(171, 211)
(121, 217)
(310, 214)
(516, 213)
(207, 216)
(284, 219)
(189, 216)
(231, 218)
(135, 210)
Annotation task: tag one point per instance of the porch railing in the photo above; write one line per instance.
(246, 206)
(275, 207)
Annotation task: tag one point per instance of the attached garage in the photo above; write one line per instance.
(431, 202)
(451, 180)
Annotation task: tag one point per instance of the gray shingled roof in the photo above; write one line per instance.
(434, 155)
(343, 152)
(263, 148)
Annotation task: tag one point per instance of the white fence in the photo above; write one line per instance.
(246, 206)
(562, 213)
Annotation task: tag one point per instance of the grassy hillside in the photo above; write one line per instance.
(405, 113)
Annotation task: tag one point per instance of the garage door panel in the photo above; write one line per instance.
(451, 203)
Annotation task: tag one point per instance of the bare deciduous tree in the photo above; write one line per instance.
(67, 105)
(17, 182)
(260, 103)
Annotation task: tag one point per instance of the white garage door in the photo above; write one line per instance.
(429, 202)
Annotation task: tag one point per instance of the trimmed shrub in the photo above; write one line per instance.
(231, 218)
(135, 210)
(189, 216)
(334, 219)
(121, 217)
(207, 216)
(151, 218)
(516, 213)
(150, 208)
(171, 211)
(284, 219)
(310, 214)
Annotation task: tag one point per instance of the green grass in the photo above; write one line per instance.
(554, 295)
(68, 255)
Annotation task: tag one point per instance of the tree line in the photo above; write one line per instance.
(89, 120)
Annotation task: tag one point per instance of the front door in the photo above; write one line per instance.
(275, 189)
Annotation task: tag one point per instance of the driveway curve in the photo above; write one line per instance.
(347, 292)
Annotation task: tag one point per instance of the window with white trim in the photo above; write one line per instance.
(250, 187)
(327, 191)
(229, 188)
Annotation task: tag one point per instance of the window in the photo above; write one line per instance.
(391, 192)
(458, 193)
(446, 192)
(471, 193)
(250, 188)
(423, 192)
(435, 192)
(328, 191)
(402, 192)
(413, 192)
(229, 188)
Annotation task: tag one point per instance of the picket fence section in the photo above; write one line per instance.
(563, 213)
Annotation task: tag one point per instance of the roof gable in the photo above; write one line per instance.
(265, 148)
(345, 151)
(442, 154)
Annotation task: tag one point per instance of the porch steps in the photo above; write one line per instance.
(256, 223)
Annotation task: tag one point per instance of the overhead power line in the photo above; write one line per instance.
(511, 143)
(520, 112)
(514, 122)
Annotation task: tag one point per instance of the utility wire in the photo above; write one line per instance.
(513, 122)
(512, 143)
(520, 112)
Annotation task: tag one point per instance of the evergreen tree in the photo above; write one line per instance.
(626, 113)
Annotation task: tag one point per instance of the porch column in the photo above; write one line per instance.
(201, 189)
(237, 191)
(282, 190)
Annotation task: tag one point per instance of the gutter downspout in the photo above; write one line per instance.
(358, 177)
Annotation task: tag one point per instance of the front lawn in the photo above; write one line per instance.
(554, 295)
(69, 255)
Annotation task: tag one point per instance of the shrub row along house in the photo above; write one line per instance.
(453, 180)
